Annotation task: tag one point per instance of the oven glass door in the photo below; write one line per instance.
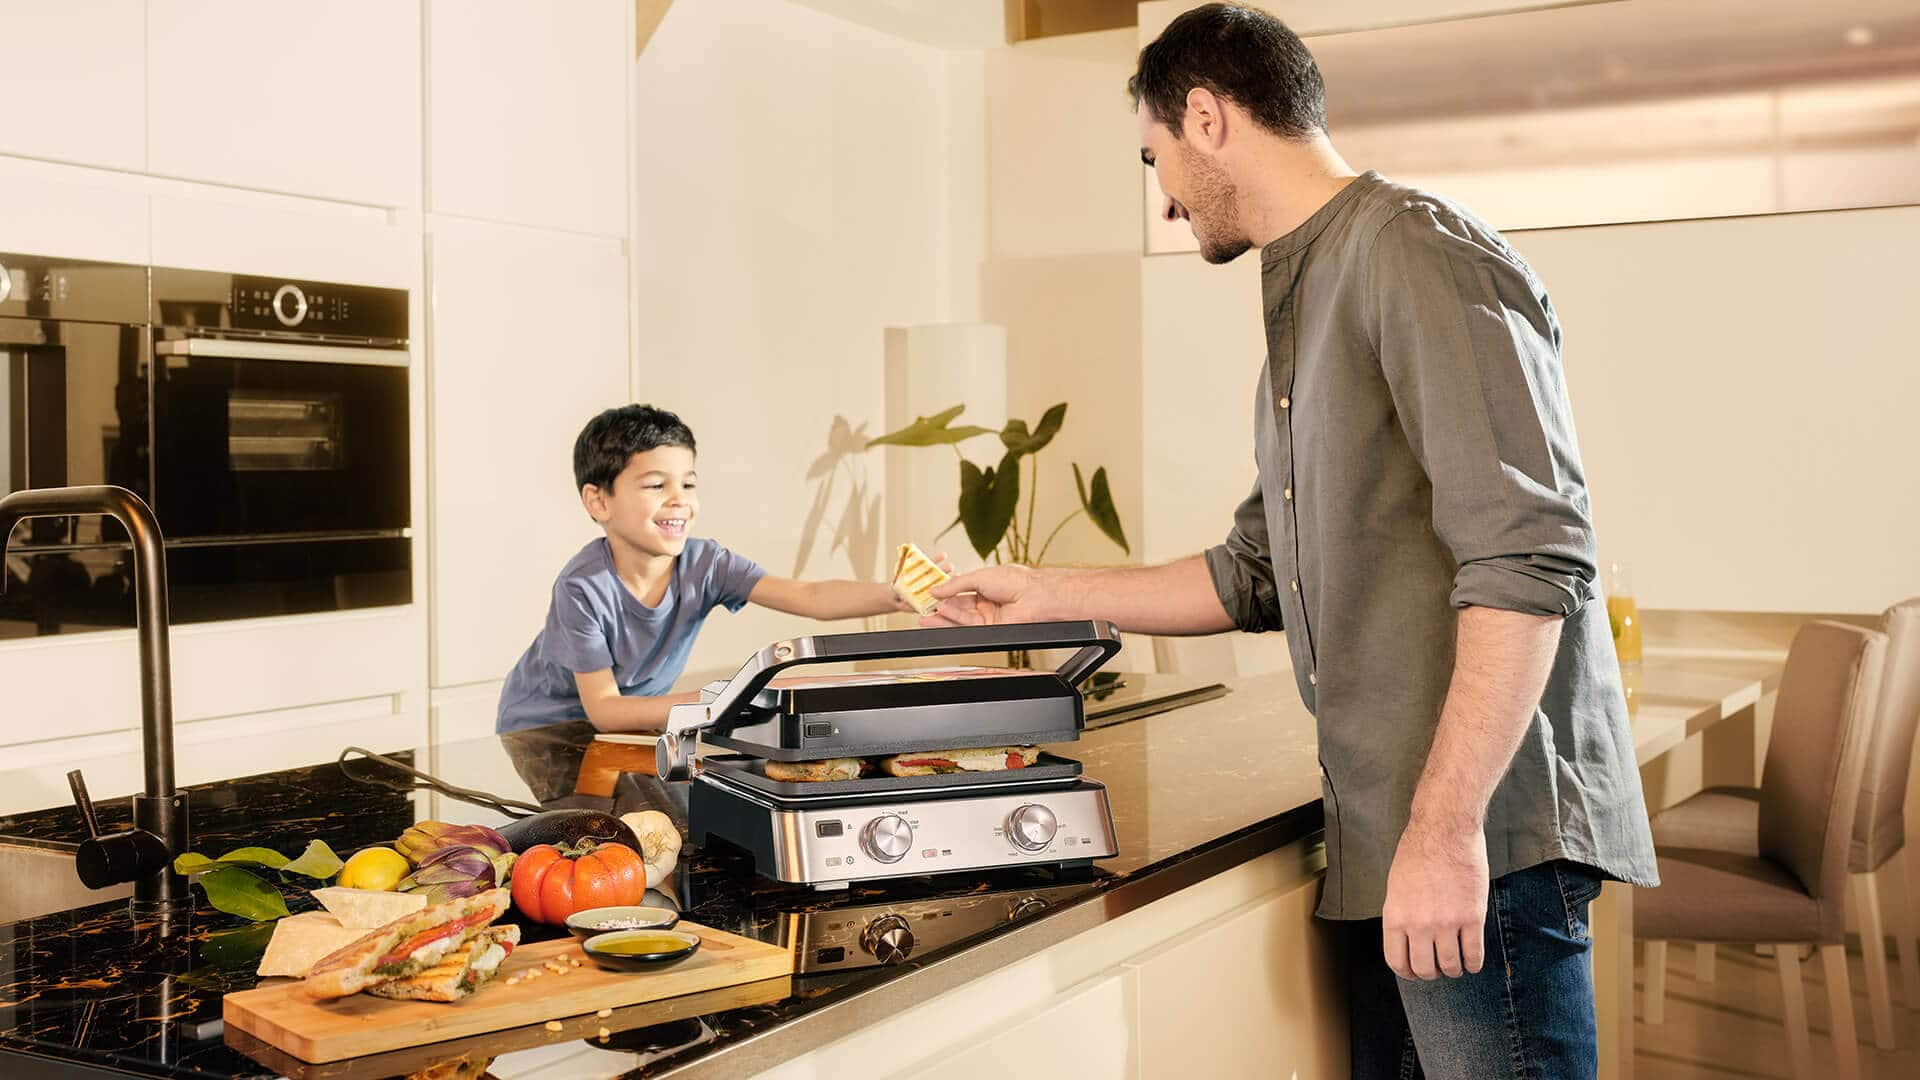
(269, 440)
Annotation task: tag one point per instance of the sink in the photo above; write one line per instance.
(40, 881)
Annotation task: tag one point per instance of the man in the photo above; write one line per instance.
(1420, 530)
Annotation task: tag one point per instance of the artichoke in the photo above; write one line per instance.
(424, 838)
(452, 873)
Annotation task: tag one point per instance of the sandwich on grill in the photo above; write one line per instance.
(973, 759)
(839, 768)
(407, 946)
(459, 973)
(914, 577)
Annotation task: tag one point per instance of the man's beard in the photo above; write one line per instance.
(1213, 209)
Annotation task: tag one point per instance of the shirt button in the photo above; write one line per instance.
(1286, 403)
(1289, 494)
(1294, 584)
(1312, 679)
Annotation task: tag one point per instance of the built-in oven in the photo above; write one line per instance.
(265, 420)
(73, 410)
(281, 442)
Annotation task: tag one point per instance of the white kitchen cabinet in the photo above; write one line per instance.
(71, 212)
(73, 81)
(528, 333)
(306, 99)
(1086, 1034)
(1257, 993)
(528, 109)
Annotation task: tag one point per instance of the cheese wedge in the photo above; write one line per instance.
(915, 577)
(299, 941)
(368, 909)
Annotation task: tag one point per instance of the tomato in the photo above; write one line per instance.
(551, 883)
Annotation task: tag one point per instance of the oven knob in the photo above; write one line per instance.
(887, 838)
(1032, 827)
(289, 305)
(889, 939)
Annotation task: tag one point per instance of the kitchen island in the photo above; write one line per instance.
(1162, 954)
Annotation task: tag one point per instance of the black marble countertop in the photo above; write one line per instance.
(1194, 792)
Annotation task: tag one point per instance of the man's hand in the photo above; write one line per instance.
(1435, 919)
(995, 594)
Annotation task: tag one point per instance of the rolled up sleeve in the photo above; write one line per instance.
(1242, 568)
(1470, 350)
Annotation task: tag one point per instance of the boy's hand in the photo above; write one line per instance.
(995, 594)
(901, 603)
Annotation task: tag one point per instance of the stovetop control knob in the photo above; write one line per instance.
(1032, 905)
(887, 838)
(889, 939)
(1032, 827)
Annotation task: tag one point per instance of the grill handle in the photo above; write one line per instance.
(1095, 640)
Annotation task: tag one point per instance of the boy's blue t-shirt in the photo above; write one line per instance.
(594, 623)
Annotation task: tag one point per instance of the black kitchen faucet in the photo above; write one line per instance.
(143, 854)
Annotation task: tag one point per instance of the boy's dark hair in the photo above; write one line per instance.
(1246, 56)
(611, 439)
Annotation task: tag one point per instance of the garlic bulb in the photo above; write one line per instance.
(659, 843)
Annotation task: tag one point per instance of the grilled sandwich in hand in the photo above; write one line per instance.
(407, 946)
(914, 577)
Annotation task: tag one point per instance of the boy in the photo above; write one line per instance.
(626, 609)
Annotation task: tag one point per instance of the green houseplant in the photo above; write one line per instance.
(989, 506)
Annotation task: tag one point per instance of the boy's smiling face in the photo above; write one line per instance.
(653, 503)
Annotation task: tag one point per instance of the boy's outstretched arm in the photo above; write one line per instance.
(610, 710)
(826, 599)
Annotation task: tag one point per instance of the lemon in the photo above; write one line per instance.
(379, 869)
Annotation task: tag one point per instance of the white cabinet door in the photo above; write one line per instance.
(308, 99)
(528, 109)
(527, 340)
(73, 81)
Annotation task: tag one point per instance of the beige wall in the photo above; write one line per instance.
(795, 187)
(1062, 266)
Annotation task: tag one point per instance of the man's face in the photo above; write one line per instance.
(1197, 188)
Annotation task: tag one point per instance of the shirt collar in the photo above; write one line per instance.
(1309, 230)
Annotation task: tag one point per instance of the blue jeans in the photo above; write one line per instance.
(1527, 1014)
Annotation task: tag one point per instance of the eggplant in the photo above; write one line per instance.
(558, 827)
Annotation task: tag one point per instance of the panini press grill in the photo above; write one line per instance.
(829, 834)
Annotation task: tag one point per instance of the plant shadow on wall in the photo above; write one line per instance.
(857, 531)
(989, 505)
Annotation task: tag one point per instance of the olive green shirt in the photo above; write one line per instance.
(1416, 455)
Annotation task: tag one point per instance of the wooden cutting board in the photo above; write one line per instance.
(284, 1016)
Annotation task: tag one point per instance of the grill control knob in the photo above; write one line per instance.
(6, 283)
(887, 838)
(1031, 827)
(889, 939)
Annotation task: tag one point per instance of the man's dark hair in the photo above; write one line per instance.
(611, 439)
(1246, 56)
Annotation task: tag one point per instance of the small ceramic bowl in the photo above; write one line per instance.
(603, 949)
(602, 920)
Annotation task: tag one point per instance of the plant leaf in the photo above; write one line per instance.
(1019, 441)
(988, 499)
(317, 862)
(238, 892)
(1099, 506)
(931, 431)
(193, 862)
